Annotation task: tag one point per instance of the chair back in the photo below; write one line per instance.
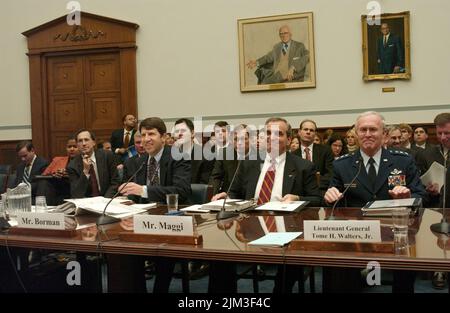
(200, 193)
(5, 169)
(11, 180)
(3, 182)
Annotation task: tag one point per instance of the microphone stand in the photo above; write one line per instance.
(106, 219)
(443, 227)
(223, 215)
(332, 217)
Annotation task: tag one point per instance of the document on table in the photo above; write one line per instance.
(275, 239)
(434, 175)
(392, 203)
(194, 208)
(282, 206)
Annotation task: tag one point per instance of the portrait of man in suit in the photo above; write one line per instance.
(390, 56)
(386, 47)
(277, 50)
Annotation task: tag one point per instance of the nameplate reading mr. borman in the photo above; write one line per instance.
(343, 231)
(41, 220)
(164, 225)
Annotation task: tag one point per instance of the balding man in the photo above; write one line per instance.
(285, 63)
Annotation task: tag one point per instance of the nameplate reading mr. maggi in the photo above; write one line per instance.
(41, 220)
(344, 231)
(163, 225)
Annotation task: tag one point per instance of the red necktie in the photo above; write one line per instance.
(270, 223)
(267, 185)
(94, 185)
(307, 154)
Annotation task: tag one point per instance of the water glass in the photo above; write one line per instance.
(400, 219)
(401, 243)
(41, 204)
(172, 202)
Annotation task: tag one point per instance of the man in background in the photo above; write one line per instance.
(30, 166)
(122, 139)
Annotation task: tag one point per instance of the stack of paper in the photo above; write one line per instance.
(282, 206)
(230, 205)
(275, 239)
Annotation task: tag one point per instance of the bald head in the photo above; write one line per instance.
(285, 33)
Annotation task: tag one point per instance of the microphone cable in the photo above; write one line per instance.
(16, 272)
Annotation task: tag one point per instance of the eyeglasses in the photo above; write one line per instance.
(285, 33)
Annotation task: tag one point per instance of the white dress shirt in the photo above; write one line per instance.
(310, 151)
(277, 188)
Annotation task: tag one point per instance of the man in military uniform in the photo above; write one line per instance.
(381, 174)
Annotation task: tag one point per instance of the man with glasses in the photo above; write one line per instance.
(287, 62)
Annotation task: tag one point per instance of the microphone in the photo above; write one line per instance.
(222, 215)
(443, 227)
(332, 217)
(105, 219)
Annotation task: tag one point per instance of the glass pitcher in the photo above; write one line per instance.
(19, 199)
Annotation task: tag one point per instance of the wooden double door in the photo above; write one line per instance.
(83, 91)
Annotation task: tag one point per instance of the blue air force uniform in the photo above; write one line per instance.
(395, 168)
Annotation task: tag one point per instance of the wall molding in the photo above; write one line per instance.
(320, 112)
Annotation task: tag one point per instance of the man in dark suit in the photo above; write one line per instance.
(184, 135)
(281, 176)
(131, 165)
(123, 139)
(441, 155)
(320, 155)
(390, 56)
(93, 172)
(161, 175)
(381, 175)
(30, 166)
(225, 158)
(420, 139)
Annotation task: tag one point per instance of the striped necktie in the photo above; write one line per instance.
(270, 223)
(26, 175)
(267, 186)
(285, 47)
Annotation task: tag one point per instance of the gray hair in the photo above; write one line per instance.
(368, 113)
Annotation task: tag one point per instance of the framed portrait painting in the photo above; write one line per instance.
(276, 52)
(386, 47)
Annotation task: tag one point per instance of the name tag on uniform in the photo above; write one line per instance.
(350, 185)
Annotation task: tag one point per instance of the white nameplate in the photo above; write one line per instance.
(41, 220)
(343, 231)
(164, 225)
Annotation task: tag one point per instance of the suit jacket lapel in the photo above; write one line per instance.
(384, 169)
(163, 163)
(289, 174)
(100, 159)
(253, 174)
(141, 177)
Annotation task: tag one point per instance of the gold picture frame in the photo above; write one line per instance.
(386, 57)
(265, 63)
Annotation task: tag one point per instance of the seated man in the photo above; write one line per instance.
(373, 166)
(57, 188)
(282, 177)
(161, 174)
(92, 173)
(30, 166)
